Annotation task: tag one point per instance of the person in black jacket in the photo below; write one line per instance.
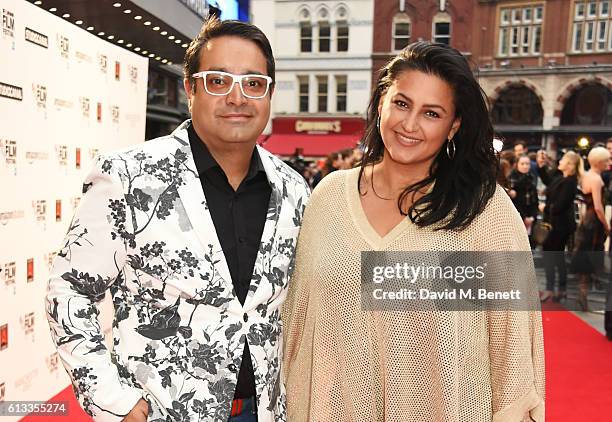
(562, 187)
(523, 193)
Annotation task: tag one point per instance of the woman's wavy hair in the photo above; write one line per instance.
(463, 185)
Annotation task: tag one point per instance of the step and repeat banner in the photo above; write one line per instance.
(65, 96)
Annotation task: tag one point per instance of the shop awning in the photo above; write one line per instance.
(312, 145)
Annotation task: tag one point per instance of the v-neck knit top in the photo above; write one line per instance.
(342, 363)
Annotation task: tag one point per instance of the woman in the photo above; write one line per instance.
(333, 162)
(523, 192)
(562, 187)
(427, 182)
(594, 228)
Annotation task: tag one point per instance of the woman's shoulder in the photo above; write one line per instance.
(333, 185)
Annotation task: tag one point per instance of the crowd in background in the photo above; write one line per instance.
(561, 200)
(314, 171)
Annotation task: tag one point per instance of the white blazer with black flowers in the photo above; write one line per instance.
(144, 232)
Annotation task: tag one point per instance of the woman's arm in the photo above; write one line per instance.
(596, 186)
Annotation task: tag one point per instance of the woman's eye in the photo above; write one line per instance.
(401, 103)
(432, 114)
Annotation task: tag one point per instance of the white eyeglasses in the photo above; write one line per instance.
(221, 83)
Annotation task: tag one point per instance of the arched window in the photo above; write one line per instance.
(305, 31)
(342, 29)
(402, 29)
(441, 31)
(517, 105)
(589, 105)
(324, 31)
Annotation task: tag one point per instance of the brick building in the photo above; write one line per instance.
(545, 65)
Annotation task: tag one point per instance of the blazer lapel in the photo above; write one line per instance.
(196, 208)
(272, 217)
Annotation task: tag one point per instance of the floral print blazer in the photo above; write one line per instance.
(144, 232)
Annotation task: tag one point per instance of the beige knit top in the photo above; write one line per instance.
(345, 364)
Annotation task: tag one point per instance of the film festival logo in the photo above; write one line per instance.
(9, 275)
(62, 155)
(40, 212)
(85, 106)
(103, 63)
(36, 38)
(93, 153)
(4, 338)
(27, 325)
(133, 72)
(8, 26)
(50, 259)
(75, 203)
(53, 362)
(40, 96)
(8, 147)
(63, 44)
(115, 114)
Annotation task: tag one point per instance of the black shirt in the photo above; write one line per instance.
(239, 217)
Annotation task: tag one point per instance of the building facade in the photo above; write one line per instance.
(323, 69)
(546, 66)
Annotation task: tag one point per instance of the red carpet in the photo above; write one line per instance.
(578, 374)
(75, 413)
(578, 370)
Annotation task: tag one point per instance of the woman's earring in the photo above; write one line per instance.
(378, 123)
(450, 151)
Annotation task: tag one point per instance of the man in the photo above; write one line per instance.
(194, 234)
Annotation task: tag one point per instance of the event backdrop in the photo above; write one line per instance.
(65, 96)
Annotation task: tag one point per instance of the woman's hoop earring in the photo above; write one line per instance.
(451, 151)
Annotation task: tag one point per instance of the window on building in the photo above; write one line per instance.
(517, 105)
(442, 28)
(589, 105)
(591, 27)
(341, 93)
(324, 37)
(401, 32)
(342, 35)
(520, 30)
(305, 37)
(322, 94)
(304, 88)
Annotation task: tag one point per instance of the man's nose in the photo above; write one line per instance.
(235, 96)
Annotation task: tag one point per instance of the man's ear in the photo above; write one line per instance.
(189, 89)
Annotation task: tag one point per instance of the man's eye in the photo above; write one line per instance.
(217, 81)
(254, 84)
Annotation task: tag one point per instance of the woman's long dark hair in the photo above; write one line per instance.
(463, 185)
